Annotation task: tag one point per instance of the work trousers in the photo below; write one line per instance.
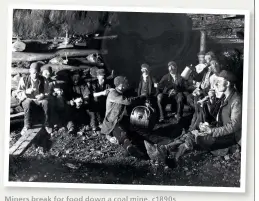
(163, 99)
(31, 108)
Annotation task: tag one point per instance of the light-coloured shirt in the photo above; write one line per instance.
(206, 81)
(200, 67)
(173, 76)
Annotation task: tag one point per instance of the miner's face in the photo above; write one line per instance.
(34, 73)
(75, 79)
(58, 91)
(46, 74)
(124, 87)
(208, 59)
(201, 59)
(78, 102)
(101, 79)
(222, 84)
(172, 69)
(214, 67)
(144, 72)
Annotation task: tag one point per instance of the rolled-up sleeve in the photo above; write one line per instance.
(21, 85)
(120, 99)
(235, 122)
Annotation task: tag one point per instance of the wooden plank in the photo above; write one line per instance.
(16, 121)
(25, 141)
(28, 56)
(229, 40)
(17, 115)
(60, 40)
(55, 68)
(105, 37)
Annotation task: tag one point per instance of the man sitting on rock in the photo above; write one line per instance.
(116, 123)
(31, 94)
(97, 93)
(171, 89)
(227, 129)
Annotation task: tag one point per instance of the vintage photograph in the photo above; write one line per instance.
(127, 97)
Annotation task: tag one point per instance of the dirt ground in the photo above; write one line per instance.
(91, 159)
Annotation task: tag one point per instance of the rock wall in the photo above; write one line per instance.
(47, 24)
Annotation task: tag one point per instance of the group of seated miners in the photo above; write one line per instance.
(209, 92)
(72, 103)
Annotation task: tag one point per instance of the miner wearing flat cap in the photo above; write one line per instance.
(98, 90)
(116, 122)
(229, 118)
(170, 90)
(31, 94)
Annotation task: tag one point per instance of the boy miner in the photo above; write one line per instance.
(31, 94)
(147, 84)
(116, 122)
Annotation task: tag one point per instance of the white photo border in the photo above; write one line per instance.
(246, 67)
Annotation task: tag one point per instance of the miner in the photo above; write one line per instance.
(31, 93)
(116, 122)
(97, 93)
(147, 85)
(171, 88)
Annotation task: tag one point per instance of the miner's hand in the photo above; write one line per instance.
(71, 102)
(29, 91)
(39, 97)
(172, 92)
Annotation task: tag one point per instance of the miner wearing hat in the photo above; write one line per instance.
(219, 136)
(170, 90)
(31, 94)
(229, 118)
(97, 92)
(147, 85)
(116, 121)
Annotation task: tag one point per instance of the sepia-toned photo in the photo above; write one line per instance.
(127, 97)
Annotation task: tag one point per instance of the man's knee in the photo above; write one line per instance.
(160, 97)
(27, 103)
(190, 97)
(45, 103)
(91, 114)
(179, 97)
